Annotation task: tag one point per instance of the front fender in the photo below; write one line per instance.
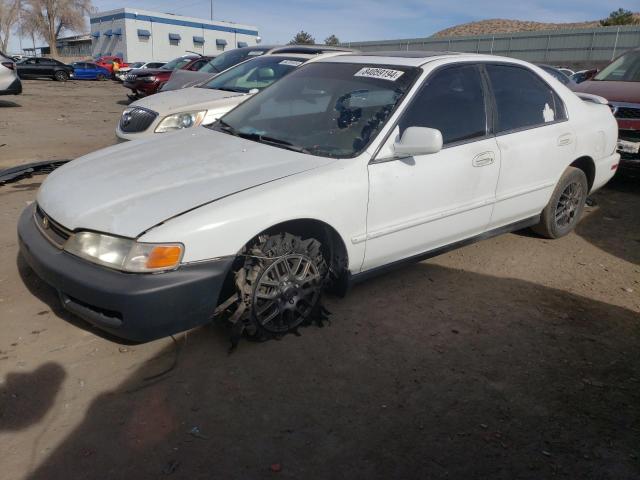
(336, 195)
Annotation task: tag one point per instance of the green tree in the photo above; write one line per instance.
(619, 17)
(332, 40)
(302, 38)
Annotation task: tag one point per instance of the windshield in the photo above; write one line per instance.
(624, 69)
(257, 73)
(326, 109)
(176, 63)
(231, 58)
(136, 65)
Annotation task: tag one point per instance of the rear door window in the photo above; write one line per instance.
(523, 100)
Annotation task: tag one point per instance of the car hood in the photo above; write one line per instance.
(628, 92)
(186, 78)
(146, 72)
(188, 99)
(129, 188)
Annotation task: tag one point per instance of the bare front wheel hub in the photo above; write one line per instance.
(286, 292)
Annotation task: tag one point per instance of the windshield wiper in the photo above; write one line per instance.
(228, 89)
(225, 127)
(276, 142)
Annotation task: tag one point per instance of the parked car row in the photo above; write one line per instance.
(326, 169)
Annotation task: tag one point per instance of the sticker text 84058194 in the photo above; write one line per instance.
(381, 73)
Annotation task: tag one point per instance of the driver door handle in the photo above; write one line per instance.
(483, 159)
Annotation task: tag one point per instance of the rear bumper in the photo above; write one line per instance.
(136, 307)
(14, 89)
(606, 168)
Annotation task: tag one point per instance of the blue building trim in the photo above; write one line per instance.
(171, 21)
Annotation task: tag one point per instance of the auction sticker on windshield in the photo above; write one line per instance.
(382, 73)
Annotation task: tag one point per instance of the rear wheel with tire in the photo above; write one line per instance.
(100, 77)
(279, 285)
(563, 212)
(61, 76)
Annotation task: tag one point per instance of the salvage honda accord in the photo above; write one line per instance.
(344, 168)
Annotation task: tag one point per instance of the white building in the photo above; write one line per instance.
(140, 35)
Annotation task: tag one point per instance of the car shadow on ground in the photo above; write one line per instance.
(613, 225)
(427, 372)
(125, 102)
(9, 104)
(26, 397)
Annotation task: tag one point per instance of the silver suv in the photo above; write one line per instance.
(9, 81)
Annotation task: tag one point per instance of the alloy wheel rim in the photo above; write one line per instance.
(286, 293)
(568, 205)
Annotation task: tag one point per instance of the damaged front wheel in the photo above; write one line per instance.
(278, 286)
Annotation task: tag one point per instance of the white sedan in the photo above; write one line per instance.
(204, 104)
(344, 168)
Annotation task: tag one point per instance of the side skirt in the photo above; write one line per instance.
(374, 272)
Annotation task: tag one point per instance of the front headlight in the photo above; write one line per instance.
(123, 253)
(179, 121)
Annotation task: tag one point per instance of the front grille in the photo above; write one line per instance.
(130, 78)
(627, 113)
(136, 120)
(629, 135)
(52, 231)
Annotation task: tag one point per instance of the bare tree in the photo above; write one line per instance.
(9, 13)
(49, 18)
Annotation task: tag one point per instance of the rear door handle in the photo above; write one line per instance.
(565, 139)
(483, 159)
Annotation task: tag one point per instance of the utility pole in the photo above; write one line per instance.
(211, 9)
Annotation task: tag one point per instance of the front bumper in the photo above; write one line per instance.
(14, 89)
(136, 307)
(143, 89)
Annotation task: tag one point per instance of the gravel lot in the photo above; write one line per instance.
(514, 358)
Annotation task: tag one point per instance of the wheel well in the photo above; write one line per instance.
(336, 252)
(587, 165)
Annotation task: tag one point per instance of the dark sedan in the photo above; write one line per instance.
(44, 68)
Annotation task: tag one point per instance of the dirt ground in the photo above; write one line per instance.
(59, 120)
(514, 358)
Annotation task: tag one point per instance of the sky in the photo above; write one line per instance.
(357, 20)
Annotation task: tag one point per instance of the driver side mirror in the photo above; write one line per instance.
(418, 141)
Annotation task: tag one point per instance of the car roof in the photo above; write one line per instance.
(417, 58)
(313, 49)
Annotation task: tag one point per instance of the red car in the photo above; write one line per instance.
(619, 83)
(145, 82)
(107, 62)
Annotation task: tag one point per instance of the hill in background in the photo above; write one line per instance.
(499, 25)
